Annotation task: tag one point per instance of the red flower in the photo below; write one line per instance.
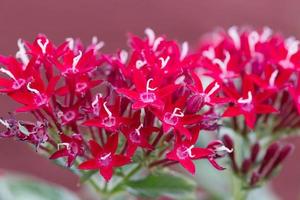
(104, 158)
(72, 147)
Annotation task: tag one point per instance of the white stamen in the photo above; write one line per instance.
(184, 50)
(137, 130)
(216, 86)
(148, 88)
(180, 80)
(177, 113)
(156, 43)
(43, 46)
(35, 91)
(210, 53)
(71, 43)
(189, 151)
(164, 62)
(224, 148)
(223, 64)
(151, 35)
(234, 35)
(98, 45)
(107, 110)
(139, 64)
(8, 73)
(123, 56)
(4, 123)
(76, 60)
(67, 145)
(265, 35)
(248, 100)
(21, 54)
(291, 45)
(96, 100)
(273, 77)
(253, 38)
(105, 156)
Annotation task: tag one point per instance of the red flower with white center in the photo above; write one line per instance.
(36, 95)
(109, 118)
(185, 151)
(104, 158)
(70, 147)
(220, 150)
(249, 104)
(138, 137)
(145, 95)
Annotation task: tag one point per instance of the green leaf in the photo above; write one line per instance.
(167, 184)
(86, 176)
(23, 188)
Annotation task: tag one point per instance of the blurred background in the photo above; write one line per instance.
(111, 21)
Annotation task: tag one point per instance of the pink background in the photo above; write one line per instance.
(110, 21)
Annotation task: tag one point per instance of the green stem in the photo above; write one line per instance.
(239, 193)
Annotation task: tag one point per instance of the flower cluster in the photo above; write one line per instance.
(149, 104)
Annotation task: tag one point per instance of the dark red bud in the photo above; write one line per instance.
(194, 103)
(254, 178)
(271, 152)
(246, 166)
(254, 152)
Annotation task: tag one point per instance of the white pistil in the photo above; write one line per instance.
(4, 123)
(107, 110)
(139, 64)
(223, 148)
(21, 54)
(151, 36)
(180, 80)
(71, 43)
(105, 156)
(265, 35)
(184, 50)
(273, 77)
(223, 64)
(189, 151)
(247, 100)
(123, 56)
(67, 145)
(35, 91)
(75, 61)
(292, 47)
(210, 53)
(43, 46)
(96, 100)
(137, 130)
(148, 88)
(234, 35)
(156, 43)
(216, 86)
(8, 73)
(177, 113)
(164, 62)
(97, 45)
(253, 38)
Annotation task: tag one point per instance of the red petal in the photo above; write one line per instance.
(106, 172)
(232, 112)
(261, 109)
(89, 165)
(59, 153)
(112, 143)
(95, 148)
(128, 93)
(120, 160)
(188, 165)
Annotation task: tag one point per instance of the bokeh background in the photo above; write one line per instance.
(111, 21)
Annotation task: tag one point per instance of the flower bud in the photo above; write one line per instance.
(271, 152)
(254, 152)
(194, 103)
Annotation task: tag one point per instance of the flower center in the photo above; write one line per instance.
(105, 159)
(109, 121)
(135, 136)
(42, 45)
(184, 152)
(246, 104)
(173, 118)
(75, 62)
(81, 86)
(18, 83)
(69, 116)
(148, 97)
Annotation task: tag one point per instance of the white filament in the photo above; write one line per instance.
(35, 91)
(210, 53)
(223, 64)
(224, 148)
(107, 110)
(8, 73)
(98, 45)
(123, 56)
(43, 46)
(151, 35)
(234, 35)
(216, 86)
(189, 151)
(148, 88)
(137, 130)
(164, 62)
(184, 50)
(105, 156)
(177, 113)
(253, 38)
(139, 64)
(273, 77)
(67, 145)
(4, 123)
(96, 100)
(247, 100)
(156, 43)
(21, 54)
(292, 47)
(71, 43)
(76, 60)
(265, 35)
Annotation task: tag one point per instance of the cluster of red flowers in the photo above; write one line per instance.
(104, 109)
